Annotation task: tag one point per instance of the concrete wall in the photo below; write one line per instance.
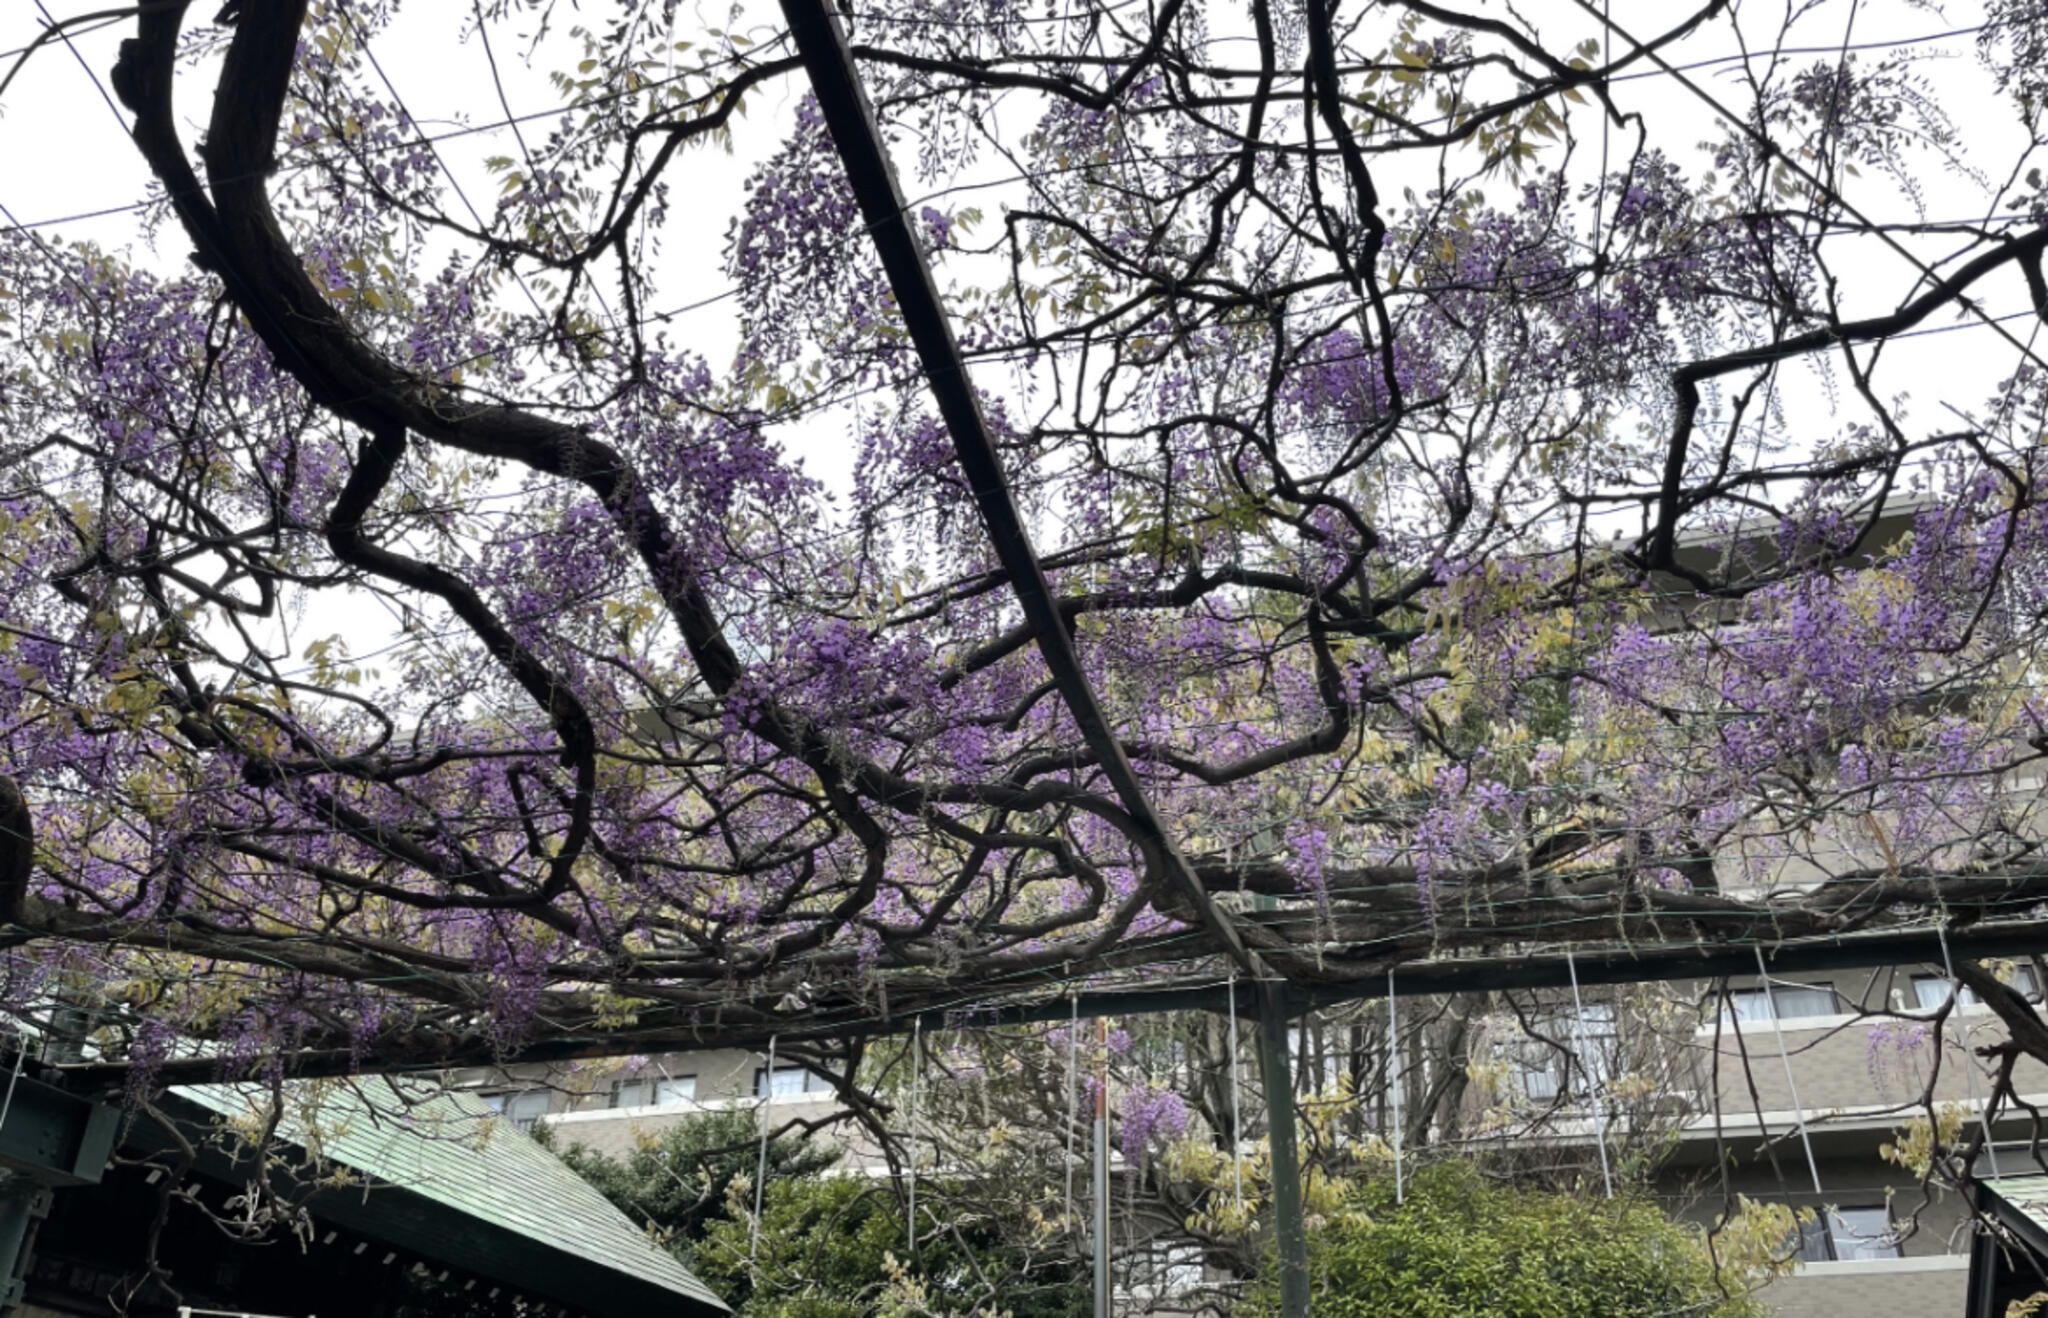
(1899, 1288)
(1851, 1063)
(614, 1132)
(1693, 1190)
(1926, 1282)
(581, 1100)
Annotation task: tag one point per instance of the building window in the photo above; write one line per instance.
(1784, 1002)
(1590, 1040)
(521, 1107)
(1848, 1233)
(1931, 991)
(1812, 1243)
(789, 1080)
(1863, 1233)
(655, 1091)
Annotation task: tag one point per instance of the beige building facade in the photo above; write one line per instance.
(1784, 1091)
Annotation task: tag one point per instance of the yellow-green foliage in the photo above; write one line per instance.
(1759, 1239)
(1240, 1189)
(1920, 1141)
(837, 1247)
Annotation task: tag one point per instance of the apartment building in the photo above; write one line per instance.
(1838, 1066)
(1780, 1091)
(1789, 1091)
(608, 1107)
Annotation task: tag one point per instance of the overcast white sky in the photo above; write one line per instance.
(64, 147)
(64, 152)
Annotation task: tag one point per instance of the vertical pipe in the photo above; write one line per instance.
(761, 1164)
(1102, 1170)
(1289, 1227)
(1579, 1054)
(916, 1075)
(1791, 1085)
(1073, 1098)
(1236, 1110)
(1394, 1082)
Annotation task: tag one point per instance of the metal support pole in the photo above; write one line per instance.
(1279, 1085)
(761, 1164)
(1102, 1169)
(1236, 1109)
(916, 1075)
(1073, 1103)
(1586, 1071)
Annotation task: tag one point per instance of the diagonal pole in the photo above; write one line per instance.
(821, 41)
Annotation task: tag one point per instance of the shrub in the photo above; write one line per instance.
(1461, 1247)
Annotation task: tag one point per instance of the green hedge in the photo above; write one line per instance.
(1460, 1247)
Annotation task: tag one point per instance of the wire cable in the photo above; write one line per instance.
(1791, 1083)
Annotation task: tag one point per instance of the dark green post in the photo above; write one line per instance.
(1278, 1082)
(23, 1203)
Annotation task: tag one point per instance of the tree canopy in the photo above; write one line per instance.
(836, 1247)
(677, 1183)
(1508, 477)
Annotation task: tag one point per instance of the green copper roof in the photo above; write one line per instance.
(457, 1183)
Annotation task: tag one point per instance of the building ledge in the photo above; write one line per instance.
(1878, 1117)
(693, 1108)
(1970, 1013)
(1751, 1030)
(1866, 1267)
